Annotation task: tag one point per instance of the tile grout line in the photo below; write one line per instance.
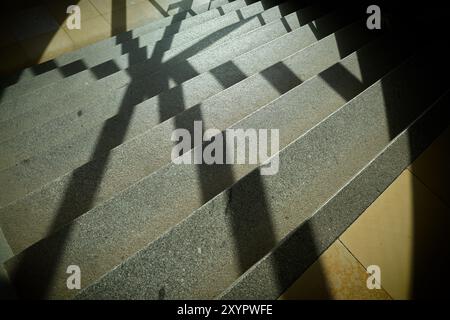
(360, 263)
(95, 8)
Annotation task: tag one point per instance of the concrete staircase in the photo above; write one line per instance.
(85, 149)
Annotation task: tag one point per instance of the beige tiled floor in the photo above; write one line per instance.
(100, 29)
(104, 6)
(135, 14)
(335, 275)
(47, 46)
(406, 222)
(405, 232)
(58, 9)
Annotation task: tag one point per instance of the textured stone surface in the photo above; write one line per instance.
(239, 226)
(140, 226)
(147, 153)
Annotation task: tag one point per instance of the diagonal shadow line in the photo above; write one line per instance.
(41, 287)
(73, 191)
(197, 47)
(225, 73)
(226, 175)
(153, 65)
(214, 178)
(309, 253)
(254, 246)
(87, 178)
(76, 66)
(115, 127)
(283, 83)
(253, 242)
(248, 206)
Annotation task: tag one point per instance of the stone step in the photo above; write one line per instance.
(285, 263)
(216, 244)
(105, 236)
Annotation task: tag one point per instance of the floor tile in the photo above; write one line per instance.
(104, 6)
(48, 46)
(92, 30)
(404, 232)
(335, 275)
(131, 17)
(433, 167)
(33, 22)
